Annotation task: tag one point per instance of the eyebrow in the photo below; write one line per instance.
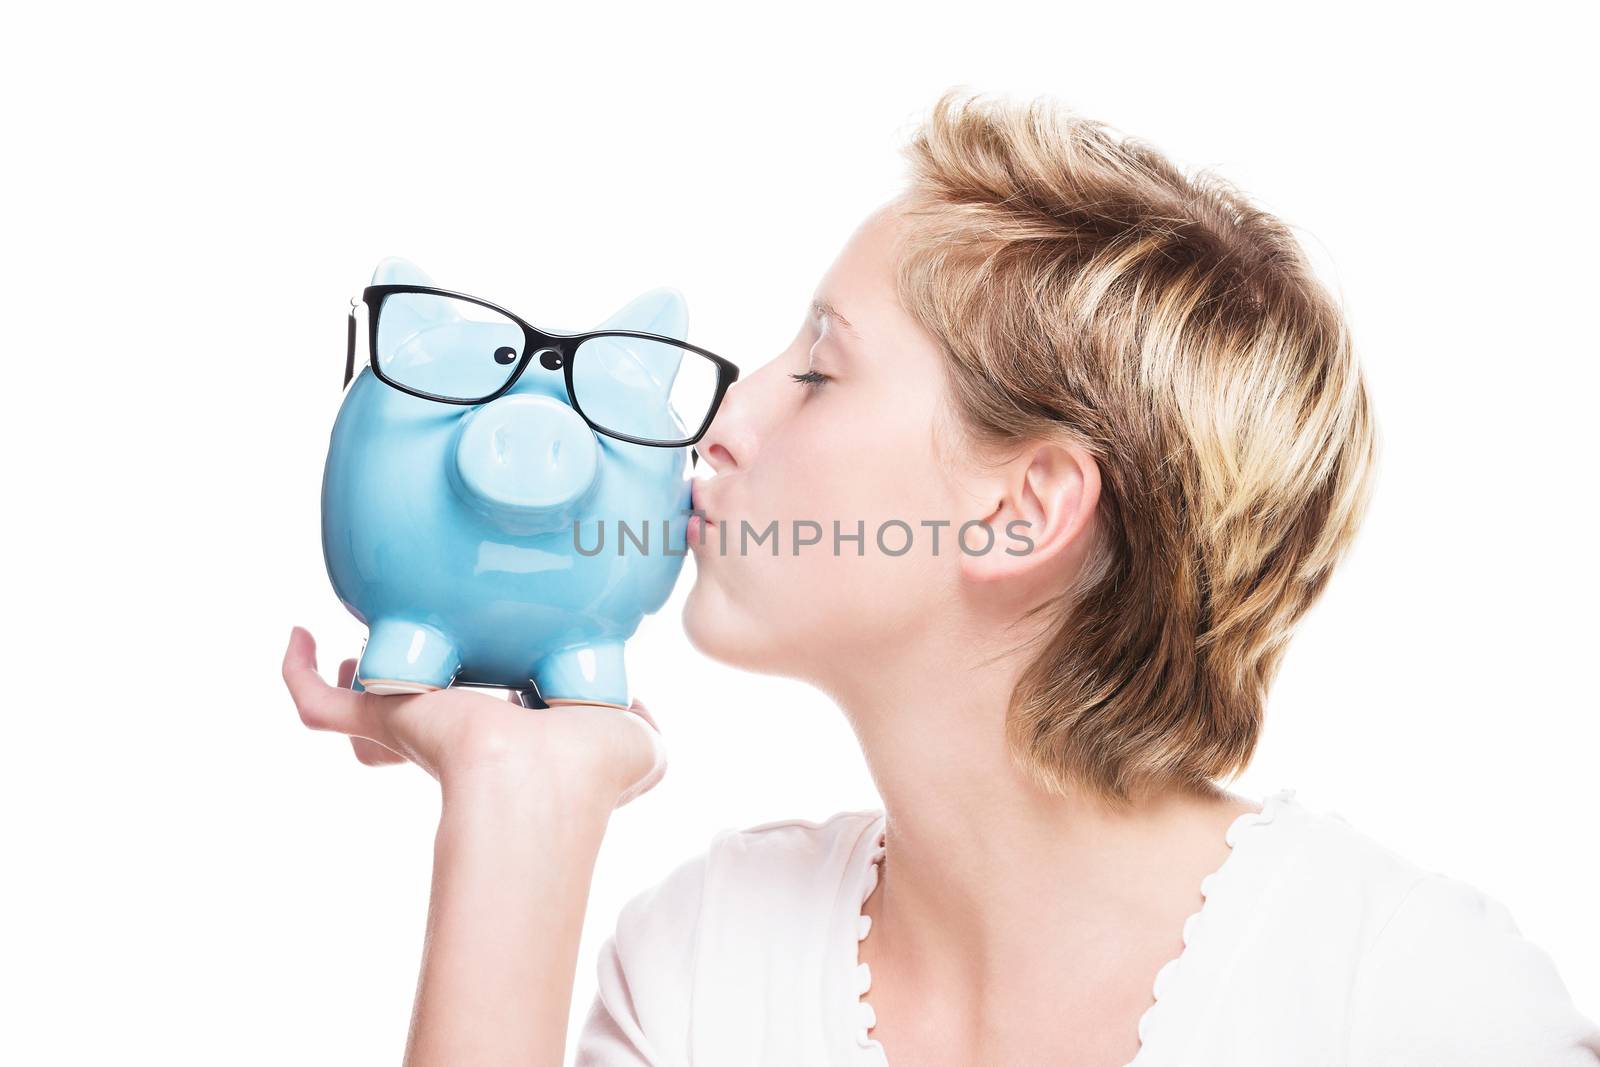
(827, 310)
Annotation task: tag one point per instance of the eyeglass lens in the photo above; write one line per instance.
(644, 388)
(444, 346)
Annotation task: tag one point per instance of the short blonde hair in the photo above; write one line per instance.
(1083, 287)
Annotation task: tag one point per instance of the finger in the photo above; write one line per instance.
(640, 710)
(347, 673)
(373, 754)
(321, 706)
(658, 769)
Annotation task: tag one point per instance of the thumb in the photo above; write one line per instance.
(644, 713)
(658, 767)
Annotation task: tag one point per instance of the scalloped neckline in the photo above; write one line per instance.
(866, 1018)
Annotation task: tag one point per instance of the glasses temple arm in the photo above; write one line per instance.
(350, 346)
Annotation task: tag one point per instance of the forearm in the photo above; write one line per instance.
(511, 876)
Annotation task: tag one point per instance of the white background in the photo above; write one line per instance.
(193, 194)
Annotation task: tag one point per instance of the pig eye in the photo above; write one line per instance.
(505, 356)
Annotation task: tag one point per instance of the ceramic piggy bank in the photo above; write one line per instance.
(502, 543)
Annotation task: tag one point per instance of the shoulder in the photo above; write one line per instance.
(644, 971)
(1398, 964)
(1451, 975)
(790, 855)
(1325, 847)
(758, 865)
(776, 890)
(1434, 969)
(758, 893)
(1322, 879)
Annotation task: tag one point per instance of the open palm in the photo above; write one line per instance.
(463, 736)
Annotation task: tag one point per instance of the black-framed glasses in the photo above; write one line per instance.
(643, 388)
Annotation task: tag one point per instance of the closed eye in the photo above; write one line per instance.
(811, 377)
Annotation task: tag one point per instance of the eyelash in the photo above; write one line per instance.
(811, 378)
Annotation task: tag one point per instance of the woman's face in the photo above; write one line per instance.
(855, 447)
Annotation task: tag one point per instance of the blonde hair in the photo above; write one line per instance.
(1083, 287)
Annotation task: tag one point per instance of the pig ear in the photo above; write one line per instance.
(644, 366)
(397, 271)
(662, 311)
(406, 314)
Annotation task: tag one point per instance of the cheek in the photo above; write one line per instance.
(861, 460)
(870, 466)
(872, 458)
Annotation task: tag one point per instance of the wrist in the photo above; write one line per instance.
(527, 796)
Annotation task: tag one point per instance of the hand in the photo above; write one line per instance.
(468, 739)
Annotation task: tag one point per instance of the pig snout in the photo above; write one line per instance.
(527, 461)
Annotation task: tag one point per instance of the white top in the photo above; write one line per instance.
(1314, 945)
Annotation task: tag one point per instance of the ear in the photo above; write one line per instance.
(646, 366)
(1039, 507)
(396, 271)
(662, 310)
(410, 313)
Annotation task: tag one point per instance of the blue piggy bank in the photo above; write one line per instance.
(502, 543)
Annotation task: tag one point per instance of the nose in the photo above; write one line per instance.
(526, 460)
(717, 446)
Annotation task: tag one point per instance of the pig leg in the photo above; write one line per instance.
(588, 674)
(406, 657)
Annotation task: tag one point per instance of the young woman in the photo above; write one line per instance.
(1084, 439)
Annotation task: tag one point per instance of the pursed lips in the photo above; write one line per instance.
(696, 503)
(698, 521)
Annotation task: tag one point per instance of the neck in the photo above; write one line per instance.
(989, 883)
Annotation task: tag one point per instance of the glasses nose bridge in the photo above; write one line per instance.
(543, 373)
(547, 356)
(545, 353)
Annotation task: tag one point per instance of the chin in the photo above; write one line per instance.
(719, 630)
(705, 621)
